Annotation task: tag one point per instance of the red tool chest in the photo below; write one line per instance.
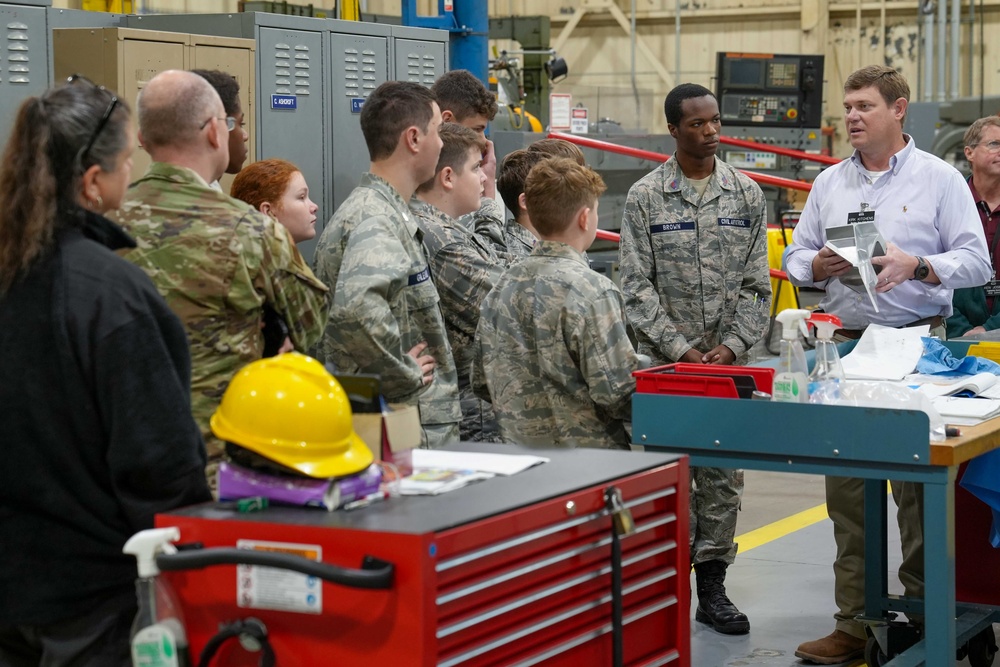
(512, 571)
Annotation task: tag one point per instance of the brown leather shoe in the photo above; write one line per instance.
(833, 649)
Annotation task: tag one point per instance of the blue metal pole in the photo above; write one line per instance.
(470, 42)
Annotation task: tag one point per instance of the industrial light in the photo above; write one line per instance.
(556, 69)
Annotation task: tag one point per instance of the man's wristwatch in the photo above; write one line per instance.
(922, 270)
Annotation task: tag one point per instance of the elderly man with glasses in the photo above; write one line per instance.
(977, 309)
(216, 260)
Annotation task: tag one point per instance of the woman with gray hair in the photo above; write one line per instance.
(94, 376)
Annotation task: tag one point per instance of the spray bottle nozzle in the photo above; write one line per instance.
(792, 321)
(825, 324)
(146, 544)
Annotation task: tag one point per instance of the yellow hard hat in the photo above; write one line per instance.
(290, 410)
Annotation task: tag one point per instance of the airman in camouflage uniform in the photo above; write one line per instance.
(464, 269)
(515, 239)
(384, 301)
(466, 101)
(552, 348)
(694, 272)
(544, 392)
(216, 260)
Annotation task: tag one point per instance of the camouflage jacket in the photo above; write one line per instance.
(464, 269)
(518, 240)
(553, 353)
(694, 273)
(217, 262)
(384, 302)
(488, 224)
(489, 215)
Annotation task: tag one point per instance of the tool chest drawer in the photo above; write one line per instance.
(511, 571)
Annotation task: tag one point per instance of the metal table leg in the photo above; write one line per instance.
(939, 568)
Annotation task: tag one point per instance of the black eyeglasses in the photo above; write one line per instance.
(104, 119)
(230, 122)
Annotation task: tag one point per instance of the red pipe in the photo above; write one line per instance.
(609, 147)
(789, 152)
(660, 157)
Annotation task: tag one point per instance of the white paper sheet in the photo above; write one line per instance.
(850, 253)
(500, 464)
(884, 353)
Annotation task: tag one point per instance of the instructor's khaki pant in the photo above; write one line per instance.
(845, 501)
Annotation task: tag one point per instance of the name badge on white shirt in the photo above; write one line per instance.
(861, 216)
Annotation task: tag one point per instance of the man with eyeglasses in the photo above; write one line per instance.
(228, 88)
(977, 309)
(935, 244)
(216, 260)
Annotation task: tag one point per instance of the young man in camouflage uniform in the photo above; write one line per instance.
(693, 260)
(552, 348)
(463, 266)
(465, 100)
(516, 239)
(216, 260)
(386, 317)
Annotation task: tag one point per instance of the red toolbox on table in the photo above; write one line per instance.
(513, 570)
(684, 379)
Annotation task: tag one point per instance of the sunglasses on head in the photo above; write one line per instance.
(104, 119)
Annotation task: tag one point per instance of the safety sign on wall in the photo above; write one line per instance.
(559, 107)
(578, 123)
(273, 588)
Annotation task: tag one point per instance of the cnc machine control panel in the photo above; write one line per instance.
(770, 90)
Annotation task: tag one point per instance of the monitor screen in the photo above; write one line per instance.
(745, 72)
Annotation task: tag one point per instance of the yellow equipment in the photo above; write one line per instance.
(290, 410)
(785, 294)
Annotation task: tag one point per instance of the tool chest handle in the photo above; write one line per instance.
(374, 573)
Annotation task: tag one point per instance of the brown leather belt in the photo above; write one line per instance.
(854, 334)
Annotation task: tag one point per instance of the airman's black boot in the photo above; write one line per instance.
(714, 607)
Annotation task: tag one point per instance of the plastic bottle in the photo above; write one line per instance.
(791, 380)
(158, 638)
(827, 372)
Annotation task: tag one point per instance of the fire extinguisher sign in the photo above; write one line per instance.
(273, 588)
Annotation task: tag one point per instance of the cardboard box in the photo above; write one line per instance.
(391, 434)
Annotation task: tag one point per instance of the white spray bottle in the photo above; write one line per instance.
(158, 638)
(791, 380)
(827, 373)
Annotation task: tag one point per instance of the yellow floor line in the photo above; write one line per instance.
(786, 526)
(782, 527)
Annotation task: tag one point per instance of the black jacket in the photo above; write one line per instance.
(96, 433)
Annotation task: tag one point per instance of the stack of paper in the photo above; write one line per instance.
(433, 482)
(499, 464)
(980, 384)
(439, 471)
(884, 353)
(966, 411)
